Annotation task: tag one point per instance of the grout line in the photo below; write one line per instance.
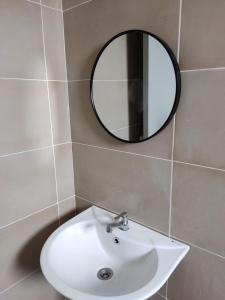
(32, 79)
(65, 59)
(50, 115)
(44, 5)
(18, 282)
(35, 212)
(25, 151)
(57, 80)
(20, 78)
(53, 8)
(78, 5)
(120, 151)
(164, 297)
(28, 216)
(34, 149)
(179, 31)
(112, 80)
(64, 48)
(79, 80)
(61, 144)
(171, 191)
(203, 69)
(67, 198)
(173, 139)
(149, 156)
(88, 79)
(200, 166)
(198, 247)
(68, 97)
(182, 71)
(171, 177)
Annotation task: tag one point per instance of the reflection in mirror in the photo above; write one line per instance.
(135, 86)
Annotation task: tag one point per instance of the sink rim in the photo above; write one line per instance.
(144, 292)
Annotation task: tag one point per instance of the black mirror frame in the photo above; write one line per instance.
(177, 76)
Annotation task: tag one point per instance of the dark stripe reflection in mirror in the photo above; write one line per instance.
(135, 84)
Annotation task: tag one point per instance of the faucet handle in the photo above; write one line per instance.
(123, 215)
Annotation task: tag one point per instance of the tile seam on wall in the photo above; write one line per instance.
(64, 40)
(41, 4)
(26, 151)
(155, 229)
(50, 114)
(21, 78)
(78, 5)
(200, 166)
(149, 156)
(67, 198)
(18, 282)
(36, 212)
(204, 69)
(28, 216)
(198, 247)
(64, 47)
(32, 79)
(121, 151)
(182, 71)
(173, 137)
(162, 296)
(34, 149)
(79, 80)
(171, 177)
(179, 31)
(61, 144)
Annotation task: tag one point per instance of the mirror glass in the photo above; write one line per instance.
(135, 86)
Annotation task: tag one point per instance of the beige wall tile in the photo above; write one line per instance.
(67, 209)
(199, 277)
(53, 3)
(112, 180)
(82, 205)
(27, 184)
(24, 116)
(21, 51)
(70, 3)
(86, 128)
(201, 32)
(21, 244)
(200, 134)
(105, 19)
(54, 43)
(34, 287)
(60, 111)
(64, 171)
(198, 207)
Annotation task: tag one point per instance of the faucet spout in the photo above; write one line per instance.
(120, 221)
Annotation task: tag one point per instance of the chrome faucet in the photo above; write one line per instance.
(121, 222)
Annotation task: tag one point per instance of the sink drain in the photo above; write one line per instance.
(105, 274)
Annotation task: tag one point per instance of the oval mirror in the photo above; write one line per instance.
(135, 86)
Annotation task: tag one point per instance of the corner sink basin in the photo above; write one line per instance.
(84, 262)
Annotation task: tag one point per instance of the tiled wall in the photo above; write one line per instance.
(175, 181)
(36, 170)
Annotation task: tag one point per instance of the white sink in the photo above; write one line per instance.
(141, 259)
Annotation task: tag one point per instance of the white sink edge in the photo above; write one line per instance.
(147, 289)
